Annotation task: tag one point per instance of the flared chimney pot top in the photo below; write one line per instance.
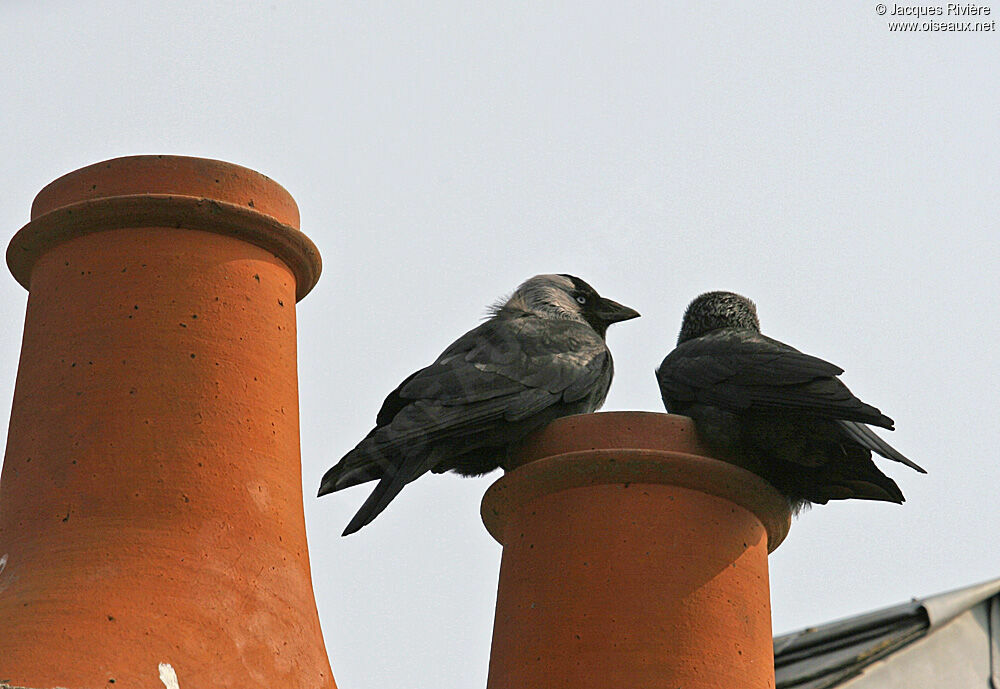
(627, 447)
(167, 191)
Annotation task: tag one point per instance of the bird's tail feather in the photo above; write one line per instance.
(848, 474)
(393, 480)
(342, 476)
(868, 439)
(856, 484)
(364, 463)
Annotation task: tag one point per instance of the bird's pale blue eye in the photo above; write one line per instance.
(581, 299)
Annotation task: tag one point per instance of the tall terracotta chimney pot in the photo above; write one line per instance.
(631, 559)
(151, 523)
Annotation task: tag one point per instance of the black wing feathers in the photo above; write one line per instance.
(868, 439)
(738, 370)
(487, 389)
(781, 414)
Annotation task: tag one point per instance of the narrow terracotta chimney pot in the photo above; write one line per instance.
(151, 524)
(631, 559)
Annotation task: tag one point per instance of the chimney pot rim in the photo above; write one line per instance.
(206, 214)
(168, 174)
(627, 448)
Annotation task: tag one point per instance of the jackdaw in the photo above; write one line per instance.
(541, 355)
(773, 410)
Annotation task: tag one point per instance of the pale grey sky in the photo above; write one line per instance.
(844, 176)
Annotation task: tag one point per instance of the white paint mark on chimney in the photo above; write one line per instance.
(4, 581)
(168, 676)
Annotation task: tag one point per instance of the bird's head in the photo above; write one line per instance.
(714, 310)
(566, 297)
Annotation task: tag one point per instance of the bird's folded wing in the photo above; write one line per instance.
(737, 370)
(511, 368)
(867, 438)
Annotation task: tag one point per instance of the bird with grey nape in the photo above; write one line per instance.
(541, 355)
(773, 410)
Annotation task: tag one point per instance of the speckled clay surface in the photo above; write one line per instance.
(631, 561)
(150, 503)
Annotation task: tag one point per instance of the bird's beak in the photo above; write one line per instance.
(612, 312)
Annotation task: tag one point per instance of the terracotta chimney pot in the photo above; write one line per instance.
(631, 559)
(151, 523)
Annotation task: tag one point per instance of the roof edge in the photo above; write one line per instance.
(944, 607)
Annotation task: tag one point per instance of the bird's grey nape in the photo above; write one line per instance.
(547, 296)
(714, 310)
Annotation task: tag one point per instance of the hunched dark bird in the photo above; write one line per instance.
(773, 410)
(541, 355)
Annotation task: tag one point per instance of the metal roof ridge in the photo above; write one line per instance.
(942, 608)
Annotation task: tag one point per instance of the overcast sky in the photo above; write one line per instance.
(844, 176)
